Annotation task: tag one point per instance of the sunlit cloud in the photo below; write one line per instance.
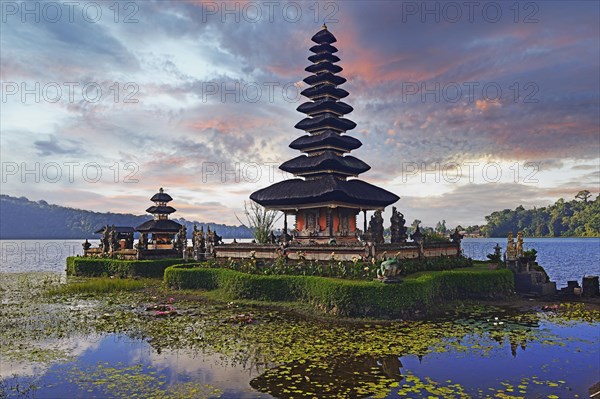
(425, 93)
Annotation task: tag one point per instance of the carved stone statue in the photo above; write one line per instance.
(456, 236)
(417, 236)
(217, 239)
(511, 250)
(519, 248)
(114, 239)
(181, 242)
(143, 242)
(376, 228)
(201, 240)
(398, 227)
(105, 240)
(389, 270)
(194, 236)
(198, 243)
(210, 241)
(272, 238)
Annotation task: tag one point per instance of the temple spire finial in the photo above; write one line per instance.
(324, 26)
(160, 190)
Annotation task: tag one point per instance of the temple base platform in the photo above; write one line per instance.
(340, 251)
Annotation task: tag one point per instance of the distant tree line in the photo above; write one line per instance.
(22, 218)
(579, 217)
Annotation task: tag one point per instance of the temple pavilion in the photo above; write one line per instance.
(326, 196)
(162, 229)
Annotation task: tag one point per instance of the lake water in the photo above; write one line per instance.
(111, 346)
(540, 370)
(563, 258)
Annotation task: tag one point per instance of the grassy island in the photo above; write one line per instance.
(337, 288)
(416, 292)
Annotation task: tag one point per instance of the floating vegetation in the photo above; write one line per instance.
(294, 357)
(163, 309)
(568, 313)
(340, 377)
(415, 387)
(242, 318)
(121, 381)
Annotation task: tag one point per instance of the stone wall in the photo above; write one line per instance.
(344, 252)
(125, 254)
(341, 252)
(410, 250)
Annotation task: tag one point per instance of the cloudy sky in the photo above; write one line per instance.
(463, 108)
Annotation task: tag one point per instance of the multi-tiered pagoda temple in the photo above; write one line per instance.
(325, 197)
(162, 229)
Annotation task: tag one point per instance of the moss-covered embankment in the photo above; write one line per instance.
(422, 291)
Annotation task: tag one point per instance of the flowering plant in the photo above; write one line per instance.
(242, 319)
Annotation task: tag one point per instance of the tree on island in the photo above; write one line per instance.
(260, 221)
(583, 195)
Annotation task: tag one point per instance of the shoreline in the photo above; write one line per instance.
(530, 237)
(515, 303)
(95, 237)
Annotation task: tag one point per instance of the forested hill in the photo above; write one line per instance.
(22, 218)
(579, 217)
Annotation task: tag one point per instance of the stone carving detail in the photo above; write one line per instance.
(194, 237)
(202, 240)
(114, 239)
(198, 243)
(105, 240)
(519, 248)
(398, 228)
(311, 226)
(212, 240)
(344, 226)
(181, 241)
(456, 236)
(511, 250)
(389, 270)
(376, 228)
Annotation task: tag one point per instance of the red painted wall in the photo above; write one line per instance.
(300, 221)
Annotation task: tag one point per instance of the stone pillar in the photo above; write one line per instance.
(330, 221)
(285, 226)
(365, 221)
(590, 286)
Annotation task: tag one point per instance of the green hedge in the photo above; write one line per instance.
(356, 270)
(98, 267)
(348, 297)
